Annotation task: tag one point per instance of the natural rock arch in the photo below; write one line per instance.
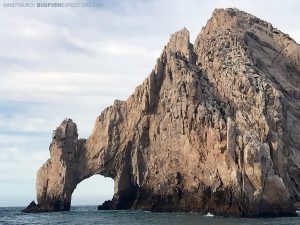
(69, 164)
(214, 128)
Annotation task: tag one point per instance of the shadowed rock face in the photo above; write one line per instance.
(214, 128)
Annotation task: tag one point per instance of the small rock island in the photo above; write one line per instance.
(214, 128)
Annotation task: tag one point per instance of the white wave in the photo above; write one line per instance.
(209, 214)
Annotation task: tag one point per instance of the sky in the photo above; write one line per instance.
(58, 63)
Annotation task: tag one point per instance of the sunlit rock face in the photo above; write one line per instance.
(214, 128)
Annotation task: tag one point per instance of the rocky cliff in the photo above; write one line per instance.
(215, 128)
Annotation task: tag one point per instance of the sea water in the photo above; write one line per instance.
(86, 215)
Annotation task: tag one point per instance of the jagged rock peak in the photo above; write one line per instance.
(233, 17)
(67, 129)
(180, 42)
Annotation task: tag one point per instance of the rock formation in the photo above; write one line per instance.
(214, 128)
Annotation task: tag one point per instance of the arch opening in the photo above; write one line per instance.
(93, 191)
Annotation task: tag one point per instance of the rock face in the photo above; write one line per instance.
(214, 128)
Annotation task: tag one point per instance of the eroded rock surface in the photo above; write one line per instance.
(214, 128)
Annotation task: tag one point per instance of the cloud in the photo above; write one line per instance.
(20, 163)
(125, 49)
(31, 101)
(47, 87)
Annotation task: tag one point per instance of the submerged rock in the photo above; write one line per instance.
(213, 129)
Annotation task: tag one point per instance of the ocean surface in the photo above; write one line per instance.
(86, 215)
